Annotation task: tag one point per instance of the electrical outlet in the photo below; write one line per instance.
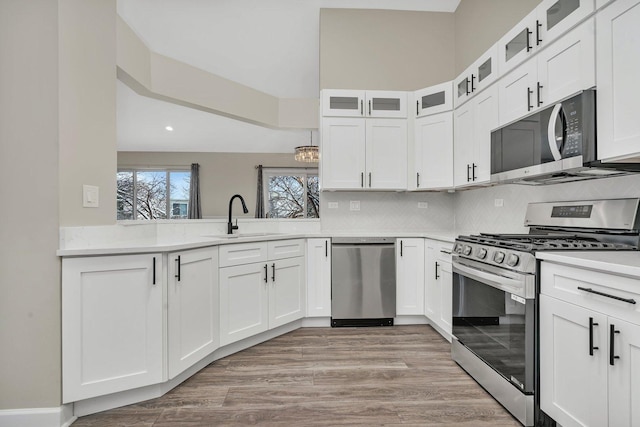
(498, 203)
(423, 205)
(354, 205)
(333, 205)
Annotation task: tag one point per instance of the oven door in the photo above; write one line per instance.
(494, 317)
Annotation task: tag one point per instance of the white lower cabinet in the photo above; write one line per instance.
(112, 317)
(193, 320)
(589, 355)
(438, 285)
(259, 296)
(410, 276)
(318, 277)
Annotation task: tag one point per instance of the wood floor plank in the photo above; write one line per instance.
(388, 376)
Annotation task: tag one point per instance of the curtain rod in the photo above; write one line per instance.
(285, 167)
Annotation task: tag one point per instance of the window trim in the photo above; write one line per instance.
(271, 171)
(167, 170)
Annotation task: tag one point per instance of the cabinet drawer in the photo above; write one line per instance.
(279, 249)
(243, 253)
(562, 282)
(444, 252)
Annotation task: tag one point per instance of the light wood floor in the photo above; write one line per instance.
(388, 376)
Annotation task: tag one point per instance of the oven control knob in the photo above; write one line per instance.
(513, 260)
(466, 250)
(482, 253)
(498, 257)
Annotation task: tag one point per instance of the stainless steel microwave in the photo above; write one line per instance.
(556, 144)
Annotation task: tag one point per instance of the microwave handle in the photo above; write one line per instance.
(552, 136)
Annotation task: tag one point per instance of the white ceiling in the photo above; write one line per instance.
(269, 45)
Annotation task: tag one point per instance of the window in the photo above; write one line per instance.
(151, 194)
(291, 193)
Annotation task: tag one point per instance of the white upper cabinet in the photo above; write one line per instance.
(364, 154)
(618, 68)
(544, 24)
(434, 99)
(433, 152)
(477, 77)
(564, 68)
(360, 103)
(473, 123)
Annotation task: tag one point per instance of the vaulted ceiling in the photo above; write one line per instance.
(268, 45)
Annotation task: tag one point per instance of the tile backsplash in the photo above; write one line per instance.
(386, 211)
(476, 210)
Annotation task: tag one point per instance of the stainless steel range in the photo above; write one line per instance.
(495, 292)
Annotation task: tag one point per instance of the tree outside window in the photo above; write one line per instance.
(291, 194)
(151, 194)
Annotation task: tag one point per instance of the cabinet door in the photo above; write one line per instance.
(432, 285)
(445, 282)
(343, 153)
(287, 296)
(244, 301)
(573, 383)
(434, 151)
(617, 71)
(386, 154)
(410, 276)
(518, 44)
(343, 103)
(463, 144)
(318, 277)
(386, 104)
(485, 70)
(193, 307)
(624, 380)
(567, 66)
(485, 120)
(555, 17)
(111, 324)
(433, 100)
(517, 92)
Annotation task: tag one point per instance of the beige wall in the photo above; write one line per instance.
(87, 49)
(221, 174)
(29, 269)
(385, 49)
(480, 23)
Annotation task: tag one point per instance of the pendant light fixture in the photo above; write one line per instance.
(308, 153)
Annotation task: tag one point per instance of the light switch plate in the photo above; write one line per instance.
(354, 205)
(423, 205)
(498, 203)
(90, 196)
(333, 205)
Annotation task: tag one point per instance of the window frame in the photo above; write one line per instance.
(268, 172)
(167, 170)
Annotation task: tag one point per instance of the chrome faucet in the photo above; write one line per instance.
(230, 226)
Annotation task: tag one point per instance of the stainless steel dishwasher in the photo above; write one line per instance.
(363, 281)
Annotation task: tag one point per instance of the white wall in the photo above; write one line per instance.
(29, 269)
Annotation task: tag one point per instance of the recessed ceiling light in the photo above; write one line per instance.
(169, 128)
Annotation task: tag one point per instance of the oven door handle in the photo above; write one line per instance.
(507, 284)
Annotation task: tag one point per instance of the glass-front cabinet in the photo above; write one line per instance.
(547, 22)
(360, 103)
(433, 100)
(477, 77)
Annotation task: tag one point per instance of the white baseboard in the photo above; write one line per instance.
(61, 416)
(316, 322)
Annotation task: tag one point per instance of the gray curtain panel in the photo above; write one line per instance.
(260, 195)
(195, 210)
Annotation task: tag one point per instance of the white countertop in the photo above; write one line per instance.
(149, 245)
(626, 263)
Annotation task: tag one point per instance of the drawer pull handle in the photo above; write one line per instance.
(591, 325)
(591, 291)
